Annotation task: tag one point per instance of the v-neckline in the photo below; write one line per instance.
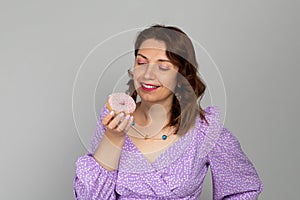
(137, 162)
(165, 149)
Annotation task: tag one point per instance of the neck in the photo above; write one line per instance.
(154, 112)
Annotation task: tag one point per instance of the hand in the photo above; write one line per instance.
(119, 124)
(113, 140)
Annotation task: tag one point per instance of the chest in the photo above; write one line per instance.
(179, 172)
(152, 149)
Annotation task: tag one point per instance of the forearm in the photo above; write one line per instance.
(250, 195)
(109, 151)
(93, 181)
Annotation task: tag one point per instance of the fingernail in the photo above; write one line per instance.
(131, 118)
(127, 117)
(112, 113)
(121, 114)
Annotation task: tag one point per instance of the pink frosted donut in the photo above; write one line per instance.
(121, 102)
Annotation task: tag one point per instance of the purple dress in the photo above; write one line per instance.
(178, 173)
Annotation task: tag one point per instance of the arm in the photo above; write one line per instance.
(233, 174)
(95, 172)
(106, 148)
(92, 181)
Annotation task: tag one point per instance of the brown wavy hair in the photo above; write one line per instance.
(190, 86)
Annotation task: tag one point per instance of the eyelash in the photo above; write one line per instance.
(141, 63)
(161, 67)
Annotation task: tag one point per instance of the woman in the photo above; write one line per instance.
(163, 150)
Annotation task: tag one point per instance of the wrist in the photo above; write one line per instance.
(108, 152)
(116, 139)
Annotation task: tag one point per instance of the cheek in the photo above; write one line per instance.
(138, 72)
(136, 75)
(169, 82)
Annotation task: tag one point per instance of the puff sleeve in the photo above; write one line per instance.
(234, 176)
(92, 181)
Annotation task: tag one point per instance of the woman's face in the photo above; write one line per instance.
(155, 77)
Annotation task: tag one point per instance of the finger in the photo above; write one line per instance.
(108, 118)
(124, 123)
(129, 124)
(114, 123)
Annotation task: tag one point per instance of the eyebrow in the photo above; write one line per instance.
(160, 60)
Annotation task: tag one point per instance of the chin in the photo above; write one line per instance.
(148, 98)
(154, 98)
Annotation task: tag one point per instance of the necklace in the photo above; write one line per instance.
(146, 136)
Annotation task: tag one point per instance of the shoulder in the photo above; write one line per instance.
(212, 112)
(213, 119)
(215, 125)
(207, 132)
(215, 131)
(213, 135)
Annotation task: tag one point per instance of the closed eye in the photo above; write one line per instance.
(163, 67)
(141, 63)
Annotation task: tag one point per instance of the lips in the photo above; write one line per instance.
(149, 87)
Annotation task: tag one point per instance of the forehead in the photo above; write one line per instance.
(153, 46)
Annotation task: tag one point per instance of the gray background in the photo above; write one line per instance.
(255, 45)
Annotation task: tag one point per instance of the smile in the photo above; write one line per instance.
(149, 87)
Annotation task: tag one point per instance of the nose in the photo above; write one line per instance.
(150, 71)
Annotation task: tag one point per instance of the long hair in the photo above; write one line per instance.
(190, 87)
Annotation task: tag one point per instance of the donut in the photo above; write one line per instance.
(121, 102)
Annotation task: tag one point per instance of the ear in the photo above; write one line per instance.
(130, 73)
